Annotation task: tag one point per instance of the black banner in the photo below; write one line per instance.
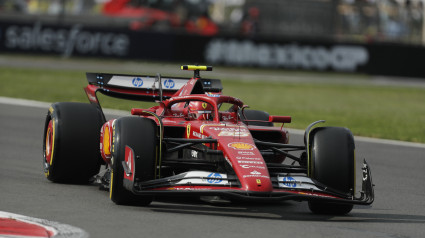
(78, 40)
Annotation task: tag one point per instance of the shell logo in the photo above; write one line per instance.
(241, 146)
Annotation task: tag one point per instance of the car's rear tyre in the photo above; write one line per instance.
(71, 142)
(261, 117)
(140, 134)
(332, 163)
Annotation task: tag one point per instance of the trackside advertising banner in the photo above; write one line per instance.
(63, 40)
(79, 40)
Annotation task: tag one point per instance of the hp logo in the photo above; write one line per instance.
(214, 178)
(289, 182)
(169, 83)
(137, 82)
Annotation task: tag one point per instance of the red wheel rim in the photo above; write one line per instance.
(49, 142)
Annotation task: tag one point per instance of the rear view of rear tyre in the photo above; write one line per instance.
(140, 134)
(71, 142)
(332, 163)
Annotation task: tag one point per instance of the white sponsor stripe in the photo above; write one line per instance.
(207, 178)
(59, 230)
(38, 104)
(146, 82)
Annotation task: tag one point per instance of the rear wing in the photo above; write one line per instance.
(142, 88)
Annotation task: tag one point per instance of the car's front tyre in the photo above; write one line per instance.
(332, 163)
(140, 134)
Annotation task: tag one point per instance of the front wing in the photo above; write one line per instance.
(300, 188)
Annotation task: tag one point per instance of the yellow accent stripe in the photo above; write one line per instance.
(196, 67)
(53, 142)
(110, 184)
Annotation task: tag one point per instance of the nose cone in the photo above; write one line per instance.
(240, 151)
(249, 165)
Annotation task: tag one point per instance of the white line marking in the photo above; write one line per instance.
(46, 105)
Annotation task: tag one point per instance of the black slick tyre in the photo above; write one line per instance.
(140, 134)
(71, 142)
(332, 163)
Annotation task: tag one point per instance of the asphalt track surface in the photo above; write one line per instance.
(398, 211)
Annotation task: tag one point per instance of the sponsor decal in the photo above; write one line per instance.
(246, 153)
(198, 135)
(233, 134)
(169, 83)
(249, 158)
(91, 97)
(129, 161)
(256, 176)
(204, 105)
(249, 162)
(245, 166)
(255, 172)
(289, 182)
(209, 126)
(65, 40)
(227, 128)
(177, 188)
(258, 181)
(365, 172)
(202, 177)
(214, 178)
(241, 146)
(234, 52)
(213, 95)
(194, 154)
(178, 114)
(137, 82)
(227, 118)
(300, 182)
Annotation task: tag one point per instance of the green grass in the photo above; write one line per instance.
(383, 112)
(374, 111)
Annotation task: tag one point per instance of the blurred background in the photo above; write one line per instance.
(376, 37)
(355, 63)
(363, 21)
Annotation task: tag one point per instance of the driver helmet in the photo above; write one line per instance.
(201, 110)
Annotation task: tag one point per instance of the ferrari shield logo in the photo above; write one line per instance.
(188, 131)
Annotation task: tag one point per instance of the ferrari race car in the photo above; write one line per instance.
(198, 142)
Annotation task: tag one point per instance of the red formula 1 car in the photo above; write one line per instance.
(197, 141)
